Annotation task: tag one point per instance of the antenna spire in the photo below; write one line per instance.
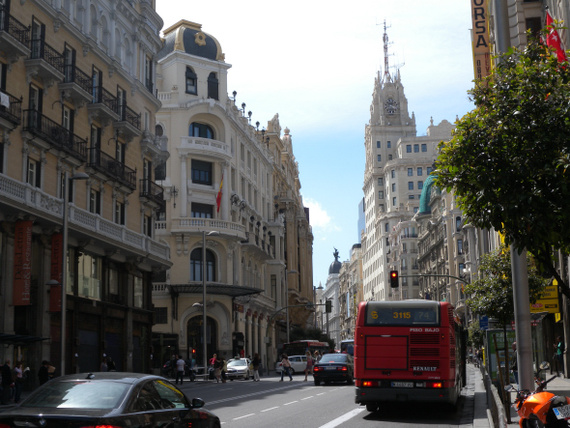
(386, 67)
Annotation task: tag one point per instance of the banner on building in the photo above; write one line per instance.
(22, 263)
(480, 36)
(548, 301)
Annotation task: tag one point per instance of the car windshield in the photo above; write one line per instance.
(333, 358)
(237, 363)
(78, 395)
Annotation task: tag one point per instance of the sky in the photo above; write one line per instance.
(314, 63)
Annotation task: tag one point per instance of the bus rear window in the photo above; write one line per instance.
(402, 313)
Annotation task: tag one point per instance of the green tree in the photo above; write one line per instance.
(508, 161)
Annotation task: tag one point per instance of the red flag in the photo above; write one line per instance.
(553, 39)
(219, 195)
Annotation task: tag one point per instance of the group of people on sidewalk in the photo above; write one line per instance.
(12, 381)
(286, 365)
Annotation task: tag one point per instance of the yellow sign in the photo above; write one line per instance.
(548, 301)
(480, 36)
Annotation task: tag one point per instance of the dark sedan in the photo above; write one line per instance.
(334, 368)
(109, 399)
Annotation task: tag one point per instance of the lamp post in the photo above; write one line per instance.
(66, 181)
(204, 330)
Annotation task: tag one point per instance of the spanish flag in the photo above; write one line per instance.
(219, 195)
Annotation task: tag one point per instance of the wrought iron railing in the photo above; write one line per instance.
(110, 166)
(42, 50)
(10, 107)
(103, 96)
(52, 132)
(14, 27)
(75, 75)
(128, 115)
(152, 191)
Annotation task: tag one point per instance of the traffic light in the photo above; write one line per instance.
(328, 306)
(394, 279)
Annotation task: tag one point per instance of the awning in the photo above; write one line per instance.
(20, 339)
(216, 289)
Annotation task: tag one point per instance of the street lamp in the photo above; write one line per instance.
(66, 181)
(204, 330)
(287, 299)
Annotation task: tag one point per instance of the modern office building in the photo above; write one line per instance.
(78, 101)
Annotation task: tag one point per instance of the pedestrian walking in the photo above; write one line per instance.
(309, 366)
(43, 374)
(18, 377)
(7, 382)
(180, 366)
(255, 363)
(514, 363)
(316, 356)
(285, 367)
(559, 356)
(218, 369)
(103, 367)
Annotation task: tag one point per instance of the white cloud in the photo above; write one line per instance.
(319, 218)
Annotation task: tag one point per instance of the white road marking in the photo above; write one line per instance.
(341, 419)
(291, 402)
(306, 398)
(243, 417)
(267, 410)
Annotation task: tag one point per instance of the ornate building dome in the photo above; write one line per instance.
(188, 37)
(336, 265)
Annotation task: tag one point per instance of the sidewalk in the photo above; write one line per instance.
(476, 413)
(559, 386)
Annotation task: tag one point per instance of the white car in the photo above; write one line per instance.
(298, 364)
(238, 369)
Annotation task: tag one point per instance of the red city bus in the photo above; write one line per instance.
(408, 350)
(299, 347)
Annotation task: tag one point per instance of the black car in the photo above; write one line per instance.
(334, 368)
(110, 399)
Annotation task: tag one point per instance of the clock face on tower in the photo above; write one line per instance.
(390, 106)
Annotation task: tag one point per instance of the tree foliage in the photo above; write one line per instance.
(508, 161)
(492, 293)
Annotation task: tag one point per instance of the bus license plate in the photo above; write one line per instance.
(402, 384)
(562, 412)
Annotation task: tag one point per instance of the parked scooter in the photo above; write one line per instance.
(539, 408)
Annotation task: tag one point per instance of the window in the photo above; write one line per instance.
(389, 157)
(416, 148)
(191, 79)
(429, 169)
(458, 224)
(202, 210)
(94, 201)
(380, 181)
(201, 172)
(386, 227)
(148, 73)
(201, 130)
(89, 275)
(113, 275)
(196, 265)
(388, 144)
(68, 64)
(410, 172)
(34, 173)
(424, 148)
(420, 171)
(411, 197)
(393, 173)
(379, 157)
(213, 86)
(122, 103)
(119, 212)
(120, 152)
(393, 187)
(378, 145)
(161, 315)
(410, 185)
(460, 246)
(394, 201)
(420, 185)
(147, 225)
(380, 194)
(409, 148)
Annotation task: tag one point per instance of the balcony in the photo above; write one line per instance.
(76, 86)
(54, 134)
(48, 210)
(155, 146)
(205, 146)
(258, 246)
(197, 225)
(10, 111)
(14, 37)
(103, 105)
(110, 167)
(45, 63)
(129, 123)
(152, 192)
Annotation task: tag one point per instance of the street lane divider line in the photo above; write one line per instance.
(342, 419)
(267, 410)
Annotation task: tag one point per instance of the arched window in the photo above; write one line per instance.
(201, 130)
(196, 265)
(191, 81)
(213, 86)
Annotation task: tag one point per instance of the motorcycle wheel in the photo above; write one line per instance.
(533, 423)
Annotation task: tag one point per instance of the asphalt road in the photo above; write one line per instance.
(273, 404)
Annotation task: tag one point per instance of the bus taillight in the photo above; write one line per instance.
(435, 384)
(369, 383)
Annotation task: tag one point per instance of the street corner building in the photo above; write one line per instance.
(77, 118)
